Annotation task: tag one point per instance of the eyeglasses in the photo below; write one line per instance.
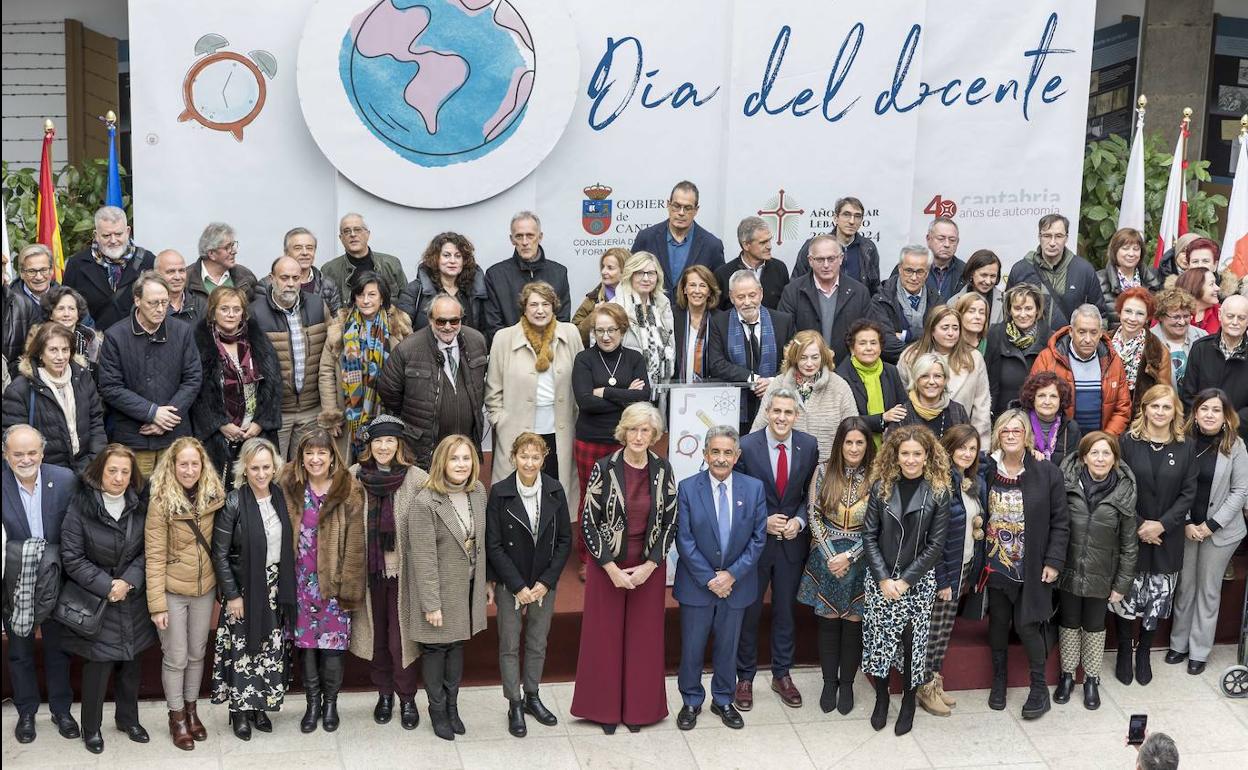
(159, 303)
(1176, 317)
(36, 271)
(682, 208)
(914, 272)
(610, 331)
(231, 246)
(349, 231)
(447, 321)
(647, 273)
(826, 260)
(853, 216)
(1011, 431)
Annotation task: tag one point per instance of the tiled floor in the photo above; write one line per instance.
(1211, 730)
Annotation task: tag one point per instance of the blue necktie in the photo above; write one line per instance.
(725, 520)
(914, 301)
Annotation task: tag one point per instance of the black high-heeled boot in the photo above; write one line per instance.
(331, 684)
(905, 717)
(312, 691)
(1000, 668)
(830, 631)
(851, 660)
(1143, 663)
(1123, 670)
(879, 716)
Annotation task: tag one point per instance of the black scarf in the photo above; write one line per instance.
(381, 486)
(1097, 490)
(260, 621)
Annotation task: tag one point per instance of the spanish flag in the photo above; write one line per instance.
(49, 233)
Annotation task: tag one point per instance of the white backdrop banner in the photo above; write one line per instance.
(433, 115)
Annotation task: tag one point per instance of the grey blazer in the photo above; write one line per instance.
(1229, 494)
(443, 577)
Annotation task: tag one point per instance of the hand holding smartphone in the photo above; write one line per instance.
(1136, 729)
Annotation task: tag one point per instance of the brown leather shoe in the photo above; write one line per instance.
(179, 730)
(198, 731)
(744, 697)
(787, 691)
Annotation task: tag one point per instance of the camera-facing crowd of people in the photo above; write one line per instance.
(300, 455)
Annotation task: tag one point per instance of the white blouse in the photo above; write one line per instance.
(272, 531)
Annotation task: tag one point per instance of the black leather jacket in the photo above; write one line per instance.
(227, 550)
(904, 544)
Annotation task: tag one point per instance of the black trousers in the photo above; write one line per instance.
(1087, 613)
(442, 667)
(551, 466)
(95, 675)
(23, 672)
(1002, 614)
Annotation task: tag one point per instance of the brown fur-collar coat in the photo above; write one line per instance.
(341, 564)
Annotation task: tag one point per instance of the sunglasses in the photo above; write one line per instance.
(447, 321)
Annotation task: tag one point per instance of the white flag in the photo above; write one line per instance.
(1174, 215)
(1237, 211)
(1132, 212)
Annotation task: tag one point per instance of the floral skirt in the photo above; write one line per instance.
(245, 680)
(1150, 599)
(830, 596)
(884, 623)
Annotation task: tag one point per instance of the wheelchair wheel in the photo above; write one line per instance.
(1235, 682)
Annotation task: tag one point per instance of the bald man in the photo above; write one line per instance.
(183, 305)
(1221, 360)
(295, 322)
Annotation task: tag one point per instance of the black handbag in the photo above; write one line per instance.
(78, 609)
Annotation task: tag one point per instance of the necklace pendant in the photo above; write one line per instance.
(611, 381)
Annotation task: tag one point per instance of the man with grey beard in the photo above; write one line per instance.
(295, 322)
(183, 305)
(104, 272)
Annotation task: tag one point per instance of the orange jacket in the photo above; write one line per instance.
(1115, 395)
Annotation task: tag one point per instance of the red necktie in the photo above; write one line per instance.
(782, 471)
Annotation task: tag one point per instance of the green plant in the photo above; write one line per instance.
(80, 190)
(1105, 168)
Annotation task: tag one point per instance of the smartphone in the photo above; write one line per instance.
(1136, 729)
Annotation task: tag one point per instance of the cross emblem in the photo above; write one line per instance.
(780, 212)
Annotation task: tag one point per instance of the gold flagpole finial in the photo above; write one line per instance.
(110, 117)
(48, 126)
(1142, 102)
(1187, 114)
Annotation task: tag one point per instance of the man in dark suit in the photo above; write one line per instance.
(945, 273)
(862, 258)
(784, 460)
(678, 241)
(904, 300)
(773, 275)
(746, 344)
(825, 299)
(35, 499)
(721, 530)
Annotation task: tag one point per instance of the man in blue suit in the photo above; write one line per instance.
(678, 241)
(721, 522)
(35, 498)
(784, 460)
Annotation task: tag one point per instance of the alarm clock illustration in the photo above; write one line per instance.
(224, 90)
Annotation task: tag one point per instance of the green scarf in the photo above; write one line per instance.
(870, 376)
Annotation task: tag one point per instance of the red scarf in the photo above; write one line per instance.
(235, 376)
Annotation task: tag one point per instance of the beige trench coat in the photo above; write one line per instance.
(362, 619)
(510, 385)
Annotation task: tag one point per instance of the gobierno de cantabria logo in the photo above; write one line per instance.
(437, 103)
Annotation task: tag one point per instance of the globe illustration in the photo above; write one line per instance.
(439, 81)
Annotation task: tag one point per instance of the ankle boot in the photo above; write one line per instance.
(1091, 692)
(851, 658)
(879, 716)
(905, 718)
(312, 691)
(830, 634)
(198, 731)
(515, 719)
(1143, 664)
(441, 725)
(241, 725)
(996, 696)
(1123, 671)
(1065, 686)
(1069, 645)
(945, 697)
(1093, 656)
(179, 730)
(929, 699)
(1038, 698)
(331, 683)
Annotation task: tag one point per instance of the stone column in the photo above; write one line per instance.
(1174, 67)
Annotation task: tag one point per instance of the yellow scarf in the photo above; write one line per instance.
(927, 413)
(542, 341)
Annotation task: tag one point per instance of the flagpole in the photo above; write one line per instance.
(1187, 125)
(1140, 108)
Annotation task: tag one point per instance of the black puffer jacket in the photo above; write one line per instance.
(326, 290)
(208, 411)
(94, 550)
(418, 295)
(411, 385)
(504, 280)
(1103, 543)
(30, 400)
(904, 544)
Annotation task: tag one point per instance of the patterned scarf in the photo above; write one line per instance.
(656, 342)
(363, 354)
(1131, 352)
(1019, 338)
(114, 266)
(238, 375)
(1046, 441)
(63, 391)
(805, 387)
(542, 340)
(1128, 283)
(380, 486)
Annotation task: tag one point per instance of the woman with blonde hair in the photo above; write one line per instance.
(1158, 452)
(534, 359)
(446, 549)
(808, 369)
(650, 323)
(930, 404)
(610, 264)
(325, 504)
(1019, 554)
(185, 493)
(968, 374)
(253, 556)
(903, 533)
(381, 631)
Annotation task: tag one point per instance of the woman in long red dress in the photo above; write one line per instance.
(628, 521)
